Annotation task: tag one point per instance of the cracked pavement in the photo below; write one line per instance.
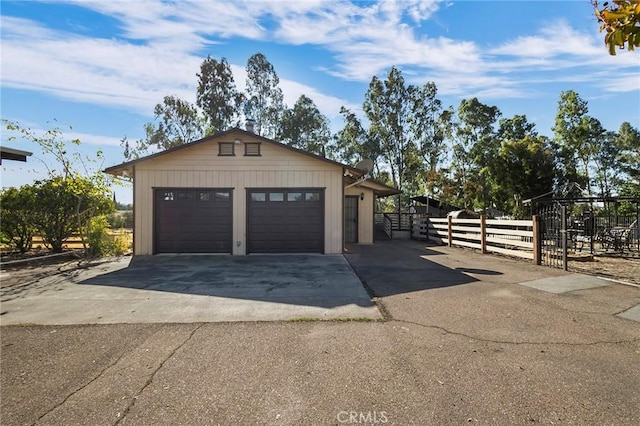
(463, 343)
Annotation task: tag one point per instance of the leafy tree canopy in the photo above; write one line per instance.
(571, 134)
(65, 206)
(305, 127)
(627, 140)
(620, 19)
(217, 94)
(70, 197)
(177, 122)
(264, 99)
(18, 206)
(353, 143)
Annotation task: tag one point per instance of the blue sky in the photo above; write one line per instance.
(101, 66)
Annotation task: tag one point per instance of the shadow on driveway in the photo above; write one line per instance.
(209, 288)
(313, 280)
(402, 266)
(387, 268)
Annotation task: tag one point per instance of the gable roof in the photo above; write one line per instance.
(113, 170)
(126, 168)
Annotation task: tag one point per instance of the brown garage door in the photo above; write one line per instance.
(193, 220)
(285, 220)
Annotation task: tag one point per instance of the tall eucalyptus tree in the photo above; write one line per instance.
(217, 95)
(571, 135)
(305, 127)
(477, 147)
(387, 106)
(177, 122)
(263, 96)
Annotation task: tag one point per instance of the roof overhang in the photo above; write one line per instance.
(433, 202)
(380, 189)
(124, 170)
(426, 200)
(13, 154)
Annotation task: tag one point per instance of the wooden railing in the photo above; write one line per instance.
(391, 222)
(419, 228)
(387, 226)
(510, 237)
(399, 221)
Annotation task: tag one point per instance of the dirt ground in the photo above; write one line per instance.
(625, 269)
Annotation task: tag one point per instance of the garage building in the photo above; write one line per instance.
(239, 193)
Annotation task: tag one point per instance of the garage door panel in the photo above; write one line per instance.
(285, 220)
(193, 221)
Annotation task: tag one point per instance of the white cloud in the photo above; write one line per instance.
(110, 71)
(91, 139)
(67, 134)
(101, 71)
(159, 50)
(554, 40)
(559, 47)
(422, 10)
(623, 82)
(156, 20)
(352, 31)
(369, 39)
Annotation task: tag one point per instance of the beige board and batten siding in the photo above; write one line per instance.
(200, 166)
(365, 213)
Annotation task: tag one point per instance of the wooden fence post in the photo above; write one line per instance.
(537, 244)
(450, 230)
(483, 234)
(427, 223)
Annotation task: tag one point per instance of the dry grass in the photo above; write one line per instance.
(617, 267)
(75, 243)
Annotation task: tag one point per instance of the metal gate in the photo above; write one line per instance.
(554, 244)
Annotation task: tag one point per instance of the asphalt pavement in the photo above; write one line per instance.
(468, 340)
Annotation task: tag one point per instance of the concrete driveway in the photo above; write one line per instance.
(183, 289)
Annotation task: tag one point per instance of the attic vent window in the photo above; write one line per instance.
(226, 149)
(252, 149)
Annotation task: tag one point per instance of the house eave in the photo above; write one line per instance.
(379, 189)
(7, 153)
(128, 166)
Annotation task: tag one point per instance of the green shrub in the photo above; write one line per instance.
(16, 213)
(62, 203)
(121, 219)
(101, 243)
